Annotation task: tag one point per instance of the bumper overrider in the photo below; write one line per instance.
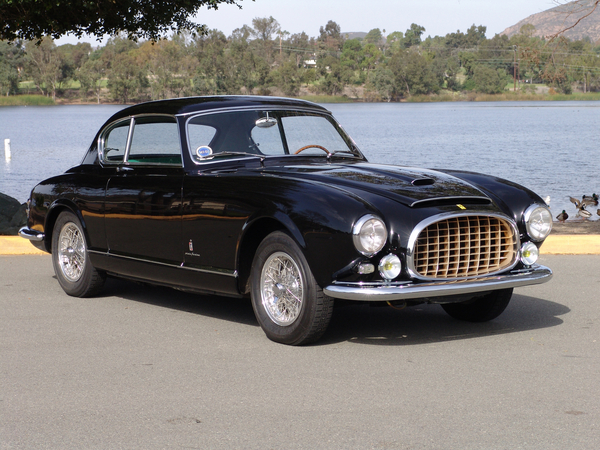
(382, 291)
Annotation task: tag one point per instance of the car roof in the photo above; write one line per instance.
(190, 105)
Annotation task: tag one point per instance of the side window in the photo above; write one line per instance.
(155, 140)
(115, 143)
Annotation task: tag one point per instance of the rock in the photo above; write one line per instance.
(12, 215)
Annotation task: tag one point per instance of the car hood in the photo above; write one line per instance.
(407, 185)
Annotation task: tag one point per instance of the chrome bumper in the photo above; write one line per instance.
(408, 290)
(30, 234)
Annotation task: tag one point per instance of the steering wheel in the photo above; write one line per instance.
(313, 146)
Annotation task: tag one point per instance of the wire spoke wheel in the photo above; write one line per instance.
(288, 303)
(71, 260)
(71, 252)
(282, 289)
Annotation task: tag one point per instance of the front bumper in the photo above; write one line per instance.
(373, 292)
(32, 235)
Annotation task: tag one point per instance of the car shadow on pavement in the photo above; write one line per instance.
(214, 306)
(424, 324)
(358, 323)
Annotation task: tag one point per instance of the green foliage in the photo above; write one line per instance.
(34, 19)
(489, 80)
(264, 59)
(26, 100)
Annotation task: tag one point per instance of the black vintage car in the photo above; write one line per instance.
(270, 198)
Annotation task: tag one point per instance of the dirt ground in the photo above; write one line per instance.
(576, 227)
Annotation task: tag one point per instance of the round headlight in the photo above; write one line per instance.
(390, 267)
(538, 221)
(369, 235)
(529, 253)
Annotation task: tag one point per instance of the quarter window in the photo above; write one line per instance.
(115, 143)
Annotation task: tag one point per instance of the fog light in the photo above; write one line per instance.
(529, 253)
(365, 268)
(390, 267)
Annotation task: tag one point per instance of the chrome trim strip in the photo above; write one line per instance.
(445, 199)
(412, 240)
(32, 235)
(397, 291)
(226, 272)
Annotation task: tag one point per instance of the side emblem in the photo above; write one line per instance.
(461, 206)
(191, 246)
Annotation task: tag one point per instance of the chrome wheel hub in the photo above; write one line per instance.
(282, 289)
(71, 252)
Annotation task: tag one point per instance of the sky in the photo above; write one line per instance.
(439, 17)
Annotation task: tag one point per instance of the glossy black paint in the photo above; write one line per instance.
(198, 226)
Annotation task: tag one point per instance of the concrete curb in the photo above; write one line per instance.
(585, 244)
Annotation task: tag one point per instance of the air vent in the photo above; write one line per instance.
(423, 182)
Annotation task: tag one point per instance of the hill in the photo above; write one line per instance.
(552, 21)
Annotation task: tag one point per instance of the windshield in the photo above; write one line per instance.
(266, 133)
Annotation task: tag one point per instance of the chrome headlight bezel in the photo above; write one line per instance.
(369, 227)
(538, 222)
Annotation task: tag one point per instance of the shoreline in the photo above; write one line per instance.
(556, 244)
(445, 97)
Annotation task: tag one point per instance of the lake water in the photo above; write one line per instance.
(550, 147)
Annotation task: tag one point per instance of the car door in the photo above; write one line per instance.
(143, 197)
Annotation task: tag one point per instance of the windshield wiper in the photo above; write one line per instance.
(344, 151)
(214, 155)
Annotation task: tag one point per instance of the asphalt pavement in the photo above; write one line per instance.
(142, 367)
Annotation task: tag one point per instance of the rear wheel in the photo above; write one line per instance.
(70, 258)
(289, 305)
(480, 309)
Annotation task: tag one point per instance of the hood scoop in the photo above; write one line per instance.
(422, 182)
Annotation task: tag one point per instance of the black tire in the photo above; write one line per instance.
(289, 305)
(71, 260)
(480, 309)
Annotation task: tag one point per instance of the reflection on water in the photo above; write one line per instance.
(550, 147)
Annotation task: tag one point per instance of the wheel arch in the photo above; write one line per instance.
(56, 209)
(253, 234)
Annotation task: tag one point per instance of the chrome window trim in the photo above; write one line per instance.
(132, 120)
(412, 240)
(327, 114)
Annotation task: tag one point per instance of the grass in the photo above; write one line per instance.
(507, 96)
(26, 100)
(327, 99)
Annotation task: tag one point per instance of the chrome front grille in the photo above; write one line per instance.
(464, 246)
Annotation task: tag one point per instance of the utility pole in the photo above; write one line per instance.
(515, 68)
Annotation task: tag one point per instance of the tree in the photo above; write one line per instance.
(11, 59)
(413, 73)
(263, 30)
(34, 19)
(374, 37)
(413, 35)
(489, 80)
(45, 65)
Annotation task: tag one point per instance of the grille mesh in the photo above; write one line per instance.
(464, 246)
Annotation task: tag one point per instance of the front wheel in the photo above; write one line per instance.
(289, 305)
(71, 260)
(481, 309)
